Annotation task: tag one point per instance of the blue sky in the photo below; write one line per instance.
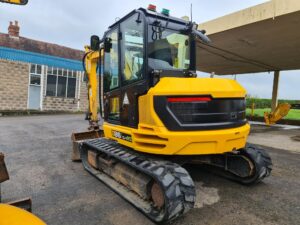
(70, 23)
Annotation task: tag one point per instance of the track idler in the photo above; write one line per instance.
(248, 166)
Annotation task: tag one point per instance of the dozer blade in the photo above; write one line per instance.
(78, 138)
(160, 189)
(23, 203)
(3, 171)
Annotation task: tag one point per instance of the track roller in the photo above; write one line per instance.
(162, 190)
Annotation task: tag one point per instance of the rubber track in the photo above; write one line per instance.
(258, 156)
(261, 160)
(176, 183)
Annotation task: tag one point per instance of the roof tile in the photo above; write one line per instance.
(45, 48)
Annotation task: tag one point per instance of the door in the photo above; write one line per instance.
(132, 69)
(111, 80)
(34, 97)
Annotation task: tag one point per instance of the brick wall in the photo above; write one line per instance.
(84, 96)
(83, 102)
(59, 104)
(14, 78)
(51, 103)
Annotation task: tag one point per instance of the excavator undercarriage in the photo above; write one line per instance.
(161, 187)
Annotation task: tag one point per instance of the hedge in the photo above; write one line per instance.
(261, 103)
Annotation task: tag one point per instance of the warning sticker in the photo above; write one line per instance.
(125, 100)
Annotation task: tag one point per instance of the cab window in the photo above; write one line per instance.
(168, 50)
(111, 63)
(132, 49)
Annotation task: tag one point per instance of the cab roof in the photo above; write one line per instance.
(153, 15)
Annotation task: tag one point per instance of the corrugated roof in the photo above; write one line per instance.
(262, 38)
(37, 58)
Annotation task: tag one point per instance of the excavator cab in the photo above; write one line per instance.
(151, 93)
(141, 48)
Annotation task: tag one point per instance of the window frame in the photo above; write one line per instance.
(190, 48)
(108, 34)
(125, 82)
(35, 74)
(60, 72)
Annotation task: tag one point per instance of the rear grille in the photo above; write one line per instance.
(200, 115)
(208, 112)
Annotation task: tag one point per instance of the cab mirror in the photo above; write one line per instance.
(201, 35)
(107, 45)
(95, 43)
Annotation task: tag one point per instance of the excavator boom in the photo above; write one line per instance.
(280, 112)
(90, 61)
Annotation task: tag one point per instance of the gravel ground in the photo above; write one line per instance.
(38, 151)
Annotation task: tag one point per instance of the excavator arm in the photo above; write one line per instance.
(280, 112)
(16, 2)
(91, 60)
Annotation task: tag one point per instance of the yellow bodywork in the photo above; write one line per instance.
(16, 2)
(91, 62)
(281, 111)
(153, 137)
(10, 215)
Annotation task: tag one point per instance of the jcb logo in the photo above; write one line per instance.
(119, 135)
(233, 115)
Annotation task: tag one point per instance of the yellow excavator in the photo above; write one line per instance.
(155, 116)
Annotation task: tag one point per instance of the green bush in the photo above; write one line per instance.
(261, 103)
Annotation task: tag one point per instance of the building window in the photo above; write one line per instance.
(61, 83)
(35, 74)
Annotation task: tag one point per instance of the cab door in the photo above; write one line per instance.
(133, 82)
(111, 79)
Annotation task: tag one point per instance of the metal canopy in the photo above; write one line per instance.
(258, 39)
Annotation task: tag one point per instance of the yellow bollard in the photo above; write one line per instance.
(252, 109)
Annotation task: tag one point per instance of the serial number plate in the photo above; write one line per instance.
(120, 135)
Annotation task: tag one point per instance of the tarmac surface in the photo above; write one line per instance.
(38, 157)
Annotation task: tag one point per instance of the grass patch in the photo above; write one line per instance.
(294, 114)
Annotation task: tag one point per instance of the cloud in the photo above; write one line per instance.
(71, 23)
